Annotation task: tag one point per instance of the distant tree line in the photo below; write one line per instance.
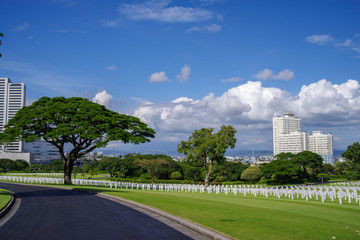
(303, 167)
(8, 165)
(286, 168)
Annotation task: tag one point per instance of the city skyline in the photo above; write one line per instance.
(184, 65)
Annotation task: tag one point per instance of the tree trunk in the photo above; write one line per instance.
(207, 174)
(68, 167)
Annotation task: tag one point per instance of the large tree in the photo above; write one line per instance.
(207, 147)
(78, 122)
(251, 174)
(308, 159)
(280, 170)
(304, 160)
(152, 165)
(352, 153)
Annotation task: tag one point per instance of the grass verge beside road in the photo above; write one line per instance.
(247, 217)
(5, 197)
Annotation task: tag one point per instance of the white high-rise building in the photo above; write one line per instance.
(12, 99)
(289, 124)
(293, 142)
(288, 137)
(322, 144)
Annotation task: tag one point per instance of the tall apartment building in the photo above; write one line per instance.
(12, 99)
(285, 127)
(322, 144)
(288, 137)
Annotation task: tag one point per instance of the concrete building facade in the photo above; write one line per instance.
(322, 144)
(288, 137)
(12, 99)
(282, 126)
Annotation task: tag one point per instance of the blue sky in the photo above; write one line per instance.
(182, 65)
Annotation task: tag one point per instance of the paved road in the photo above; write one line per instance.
(49, 213)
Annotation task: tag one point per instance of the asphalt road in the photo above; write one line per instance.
(49, 213)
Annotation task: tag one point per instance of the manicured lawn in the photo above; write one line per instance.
(100, 176)
(254, 218)
(5, 197)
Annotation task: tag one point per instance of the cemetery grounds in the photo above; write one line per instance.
(250, 212)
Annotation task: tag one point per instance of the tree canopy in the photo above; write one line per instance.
(304, 160)
(207, 147)
(280, 170)
(308, 159)
(76, 121)
(152, 166)
(352, 153)
(251, 174)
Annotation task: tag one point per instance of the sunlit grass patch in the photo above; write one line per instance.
(248, 217)
(5, 197)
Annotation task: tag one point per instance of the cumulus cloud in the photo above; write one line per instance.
(264, 74)
(159, 77)
(250, 108)
(183, 100)
(244, 102)
(267, 74)
(209, 28)
(21, 26)
(159, 10)
(284, 75)
(184, 75)
(103, 98)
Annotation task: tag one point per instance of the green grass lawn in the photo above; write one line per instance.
(100, 176)
(254, 217)
(5, 197)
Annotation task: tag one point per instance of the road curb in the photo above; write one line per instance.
(184, 222)
(8, 206)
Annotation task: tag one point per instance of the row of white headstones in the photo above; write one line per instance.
(346, 191)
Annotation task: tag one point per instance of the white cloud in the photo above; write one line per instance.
(159, 77)
(284, 75)
(232, 79)
(103, 98)
(250, 108)
(267, 74)
(111, 68)
(209, 28)
(21, 27)
(158, 10)
(326, 39)
(185, 73)
(183, 100)
(320, 39)
(264, 74)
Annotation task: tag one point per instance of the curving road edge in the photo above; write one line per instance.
(154, 212)
(10, 209)
(173, 221)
